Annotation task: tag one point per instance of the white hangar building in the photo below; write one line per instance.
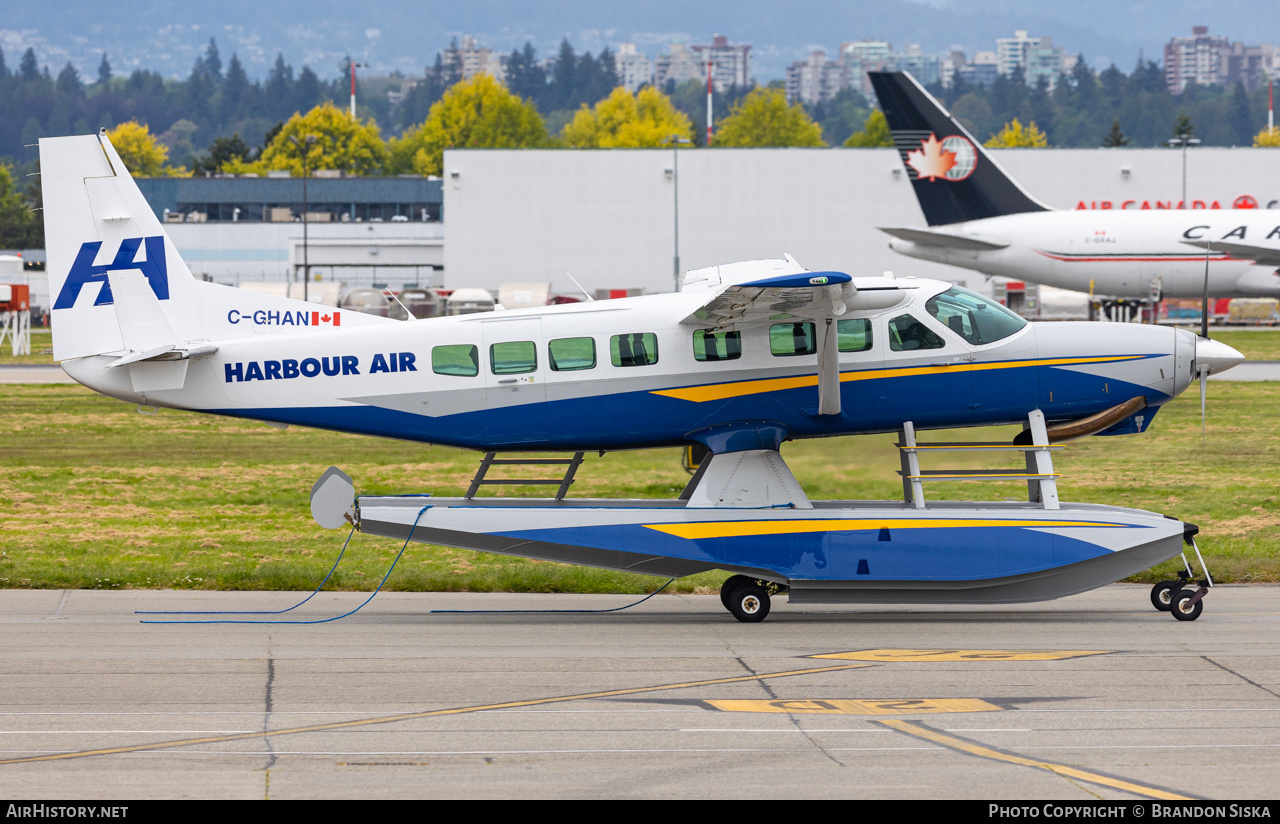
(609, 216)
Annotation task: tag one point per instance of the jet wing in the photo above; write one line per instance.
(929, 237)
(1264, 255)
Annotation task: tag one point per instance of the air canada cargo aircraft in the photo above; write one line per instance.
(981, 219)
(743, 358)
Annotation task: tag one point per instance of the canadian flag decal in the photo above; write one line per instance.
(326, 319)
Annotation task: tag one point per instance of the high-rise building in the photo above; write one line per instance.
(923, 67)
(634, 69)
(817, 79)
(1011, 52)
(1198, 59)
(1044, 60)
(678, 65)
(982, 70)
(471, 60)
(730, 63)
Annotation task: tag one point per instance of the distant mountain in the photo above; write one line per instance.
(405, 36)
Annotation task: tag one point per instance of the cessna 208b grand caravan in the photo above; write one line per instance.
(742, 358)
(981, 219)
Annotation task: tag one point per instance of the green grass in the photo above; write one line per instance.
(99, 496)
(41, 350)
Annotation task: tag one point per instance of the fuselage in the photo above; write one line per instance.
(628, 374)
(1118, 252)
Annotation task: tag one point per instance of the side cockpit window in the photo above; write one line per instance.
(907, 334)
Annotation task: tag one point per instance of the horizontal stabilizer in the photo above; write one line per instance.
(1264, 255)
(926, 237)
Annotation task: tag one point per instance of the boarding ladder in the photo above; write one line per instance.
(490, 459)
(1042, 485)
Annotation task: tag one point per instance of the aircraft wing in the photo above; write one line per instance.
(801, 296)
(930, 237)
(820, 297)
(1264, 255)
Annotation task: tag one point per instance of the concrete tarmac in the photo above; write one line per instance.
(1093, 696)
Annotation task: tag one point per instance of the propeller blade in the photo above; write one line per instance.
(1204, 384)
(1204, 307)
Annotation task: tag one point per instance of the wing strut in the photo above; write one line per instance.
(828, 368)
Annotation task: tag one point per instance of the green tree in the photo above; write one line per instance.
(875, 132)
(763, 118)
(1016, 136)
(223, 151)
(143, 156)
(474, 114)
(353, 146)
(1182, 124)
(1115, 138)
(19, 226)
(626, 121)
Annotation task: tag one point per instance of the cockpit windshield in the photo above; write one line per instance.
(973, 317)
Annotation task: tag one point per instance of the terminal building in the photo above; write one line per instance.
(360, 231)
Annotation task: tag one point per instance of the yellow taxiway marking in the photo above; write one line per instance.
(721, 391)
(409, 716)
(901, 655)
(951, 742)
(737, 529)
(842, 706)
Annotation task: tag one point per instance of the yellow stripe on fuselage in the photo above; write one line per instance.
(741, 529)
(721, 391)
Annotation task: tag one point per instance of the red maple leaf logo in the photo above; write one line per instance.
(931, 161)
(324, 318)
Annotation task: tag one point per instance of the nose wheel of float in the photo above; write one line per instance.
(1176, 597)
(748, 599)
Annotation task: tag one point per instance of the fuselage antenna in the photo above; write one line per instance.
(580, 289)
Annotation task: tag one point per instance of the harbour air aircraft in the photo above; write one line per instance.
(742, 359)
(979, 218)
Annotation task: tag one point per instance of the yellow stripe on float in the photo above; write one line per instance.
(740, 529)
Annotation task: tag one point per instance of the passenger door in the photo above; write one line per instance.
(513, 363)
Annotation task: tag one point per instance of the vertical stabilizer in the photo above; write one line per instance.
(954, 178)
(97, 222)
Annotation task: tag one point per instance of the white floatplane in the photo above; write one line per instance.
(743, 358)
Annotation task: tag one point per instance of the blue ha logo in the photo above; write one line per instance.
(83, 271)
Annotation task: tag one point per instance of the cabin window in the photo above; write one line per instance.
(513, 358)
(787, 339)
(635, 349)
(853, 335)
(973, 317)
(709, 345)
(907, 334)
(572, 354)
(459, 359)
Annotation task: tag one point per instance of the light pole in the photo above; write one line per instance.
(676, 140)
(309, 140)
(1183, 140)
